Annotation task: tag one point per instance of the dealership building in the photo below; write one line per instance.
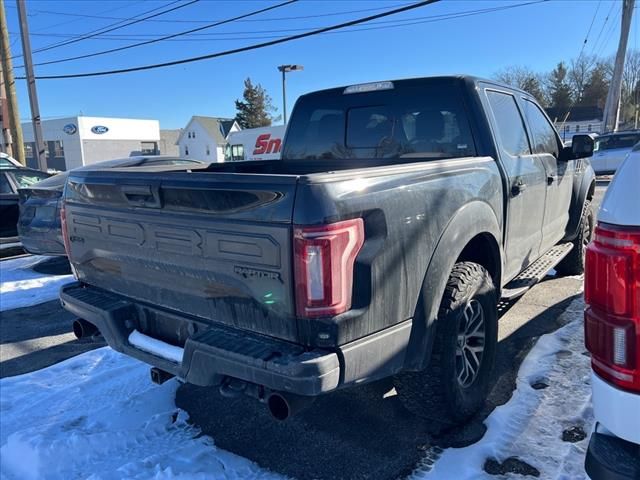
(76, 141)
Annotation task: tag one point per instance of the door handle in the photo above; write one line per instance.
(518, 188)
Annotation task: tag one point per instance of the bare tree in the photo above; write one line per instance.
(580, 70)
(525, 79)
(630, 80)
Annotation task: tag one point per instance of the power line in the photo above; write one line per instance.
(586, 38)
(612, 27)
(98, 15)
(392, 24)
(160, 20)
(112, 27)
(167, 37)
(246, 48)
(444, 16)
(606, 19)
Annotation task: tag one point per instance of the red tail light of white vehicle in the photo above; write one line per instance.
(612, 294)
(324, 259)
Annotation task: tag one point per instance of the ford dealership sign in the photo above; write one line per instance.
(70, 129)
(99, 129)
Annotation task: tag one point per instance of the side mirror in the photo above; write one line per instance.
(581, 147)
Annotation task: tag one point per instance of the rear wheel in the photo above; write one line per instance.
(454, 385)
(573, 263)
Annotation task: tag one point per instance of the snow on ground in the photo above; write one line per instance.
(20, 286)
(530, 426)
(98, 416)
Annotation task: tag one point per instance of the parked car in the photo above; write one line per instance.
(611, 149)
(39, 221)
(7, 161)
(378, 246)
(612, 329)
(11, 179)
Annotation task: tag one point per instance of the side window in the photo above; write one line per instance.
(511, 131)
(5, 187)
(543, 135)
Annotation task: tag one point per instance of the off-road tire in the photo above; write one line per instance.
(573, 263)
(435, 393)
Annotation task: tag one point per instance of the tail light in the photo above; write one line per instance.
(65, 232)
(612, 294)
(323, 265)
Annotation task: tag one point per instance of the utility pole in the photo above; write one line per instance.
(284, 69)
(15, 138)
(611, 113)
(5, 133)
(31, 84)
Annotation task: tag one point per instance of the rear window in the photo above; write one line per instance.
(421, 121)
(611, 142)
(28, 177)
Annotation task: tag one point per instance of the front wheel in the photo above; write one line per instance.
(454, 385)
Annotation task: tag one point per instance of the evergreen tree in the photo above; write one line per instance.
(559, 90)
(255, 109)
(596, 87)
(533, 86)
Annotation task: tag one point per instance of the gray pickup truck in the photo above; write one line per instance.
(378, 246)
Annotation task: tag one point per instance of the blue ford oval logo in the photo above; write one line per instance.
(99, 129)
(69, 129)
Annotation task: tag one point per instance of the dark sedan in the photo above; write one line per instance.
(39, 223)
(11, 179)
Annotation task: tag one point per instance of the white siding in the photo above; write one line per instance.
(122, 139)
(196, 146)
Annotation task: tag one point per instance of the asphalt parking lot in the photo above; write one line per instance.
(360, 433)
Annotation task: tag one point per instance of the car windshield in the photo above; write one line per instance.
(409, 120)
(6, 163)
(611, 142)
(28, 177)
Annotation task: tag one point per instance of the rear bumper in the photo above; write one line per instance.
(213, 352)
(611, 458)
(617, 410)
(41, 242)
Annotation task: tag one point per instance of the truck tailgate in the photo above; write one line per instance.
(215, 246)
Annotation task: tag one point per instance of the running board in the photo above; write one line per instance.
(535, 272)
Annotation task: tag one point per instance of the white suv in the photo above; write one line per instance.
(612, 328)
(611, 149)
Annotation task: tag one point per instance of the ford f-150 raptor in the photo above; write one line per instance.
(399, 215)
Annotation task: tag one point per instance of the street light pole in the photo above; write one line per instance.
(284, 95)
(284, 69)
